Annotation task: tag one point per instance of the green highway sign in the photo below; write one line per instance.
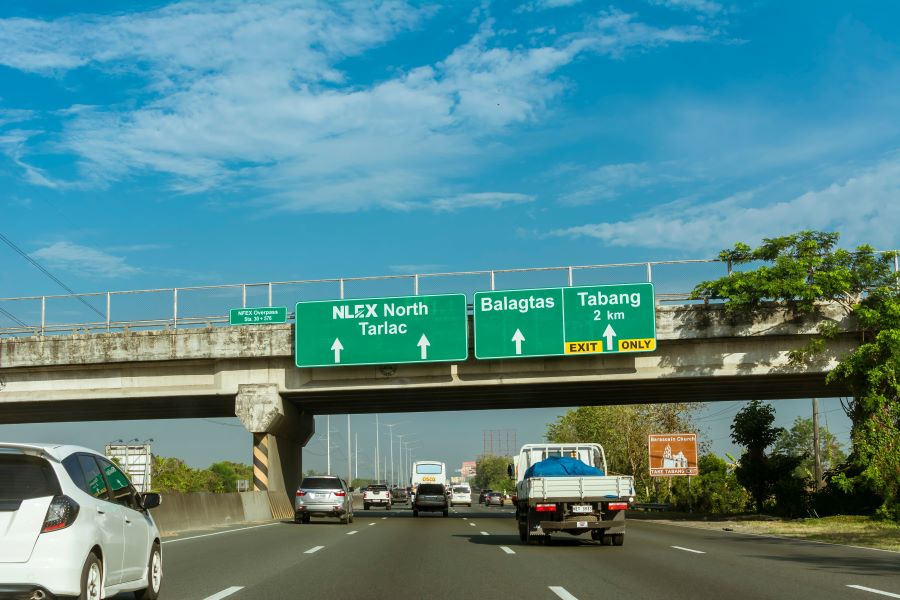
(265, 315)
(607, 319)
(378, 331)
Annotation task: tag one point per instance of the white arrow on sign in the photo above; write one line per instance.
(518, 338)
(423, 345)
(337, 347)
(609, 333)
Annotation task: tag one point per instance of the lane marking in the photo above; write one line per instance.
(472, 524)
(194, 537)
(383, 518)
(562, 593)
(353, 532)
(507, 549)
(485, 533)
(314, 549)
(689, 550)
(372, 524)
(874, 591)
(225, 593)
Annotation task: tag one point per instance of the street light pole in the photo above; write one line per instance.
(328, 443)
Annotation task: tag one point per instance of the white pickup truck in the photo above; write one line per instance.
(573, 504)
(377, 495)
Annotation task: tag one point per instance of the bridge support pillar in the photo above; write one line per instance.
(279, 433)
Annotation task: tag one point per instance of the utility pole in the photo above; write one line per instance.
(817, 454)
(328, 443)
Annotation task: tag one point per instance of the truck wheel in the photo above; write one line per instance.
(618, 539)
(446, 513)
(597, 534)
(365, 506)
(523, 531)
(532, 539)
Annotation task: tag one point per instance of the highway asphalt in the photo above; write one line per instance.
(476, 551)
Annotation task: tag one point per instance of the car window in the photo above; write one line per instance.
(431, 488)
(321, 483)
(23, 477)
(95, 484)
(121, 488)
(76, 473)
(460, 490)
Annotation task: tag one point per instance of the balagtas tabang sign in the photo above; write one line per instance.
(673, 454)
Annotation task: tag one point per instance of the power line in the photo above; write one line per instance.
(40, 267)
(13, 317)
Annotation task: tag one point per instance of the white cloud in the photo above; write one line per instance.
(862, 207)
(84, 260)
(704, 7)
(249, 95)
(480, 200)
(413, 269)
(536, 5)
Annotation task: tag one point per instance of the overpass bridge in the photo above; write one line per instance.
(119, 372)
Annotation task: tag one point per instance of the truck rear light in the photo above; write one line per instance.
(60, 514)
(618, 505)
(300, 493)
(545, 508)
(340, 494)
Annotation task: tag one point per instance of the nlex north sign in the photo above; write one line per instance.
(378, 331)
(601, 319)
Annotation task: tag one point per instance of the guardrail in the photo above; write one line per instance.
(173, 316)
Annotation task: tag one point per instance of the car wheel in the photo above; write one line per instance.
(306, 519)
(446, 513)
(154, 576)
(91, 578)
(415, 513)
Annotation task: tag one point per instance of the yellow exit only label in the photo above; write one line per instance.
(597, 346)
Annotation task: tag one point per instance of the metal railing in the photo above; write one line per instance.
(42, 325)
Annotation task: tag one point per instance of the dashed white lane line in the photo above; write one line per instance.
(472, 524)
(688, 550)
(562, 593)
(383, 518)
(225, 593)
(372, 524)
(355, 531)
(194, 537)
(485, 533)
(507, 549)
(314, 549)
(874, 591)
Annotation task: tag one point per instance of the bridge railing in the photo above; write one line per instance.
(209, 305)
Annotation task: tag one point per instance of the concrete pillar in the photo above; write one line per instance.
(279, 433)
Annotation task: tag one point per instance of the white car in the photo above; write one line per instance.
(71, 524)
(460, 494)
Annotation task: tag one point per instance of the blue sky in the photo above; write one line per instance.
(189, 143)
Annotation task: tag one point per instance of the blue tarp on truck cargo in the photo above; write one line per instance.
(561, 466)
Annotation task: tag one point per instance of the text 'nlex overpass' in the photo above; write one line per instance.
(249, 371)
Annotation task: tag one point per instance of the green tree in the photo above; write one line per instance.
(798, 441)
(715, 491)
(801, 271)
(228, 474)
(491, 473)
(174, 475)
(623, 432)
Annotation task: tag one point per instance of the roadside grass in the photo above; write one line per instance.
(844, 529)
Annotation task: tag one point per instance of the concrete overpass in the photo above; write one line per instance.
(249, 371)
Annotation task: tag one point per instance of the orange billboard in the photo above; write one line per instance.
(673, 454)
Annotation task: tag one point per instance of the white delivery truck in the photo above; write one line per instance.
(574, 504)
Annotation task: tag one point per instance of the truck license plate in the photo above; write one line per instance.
(582, 508)
(581, 524)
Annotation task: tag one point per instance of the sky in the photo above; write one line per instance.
(173, 144)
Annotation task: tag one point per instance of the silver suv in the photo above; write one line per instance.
(323, 496)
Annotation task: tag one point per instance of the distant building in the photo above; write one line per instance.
(468, 470)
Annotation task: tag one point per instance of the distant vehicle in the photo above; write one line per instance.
(482, 495)
(71, 524)
(430, 497)
(460, 494)
(494, 498)
(550, 499)
(377, 495)
(428, 471)
(323, 496)
(399, 494)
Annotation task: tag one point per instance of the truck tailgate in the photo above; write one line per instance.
(570, 489)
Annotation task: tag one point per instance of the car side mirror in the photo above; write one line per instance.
(509, 470)
(150, 500)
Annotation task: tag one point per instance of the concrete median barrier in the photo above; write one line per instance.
(184, 512)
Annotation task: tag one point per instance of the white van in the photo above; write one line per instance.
(461, 494)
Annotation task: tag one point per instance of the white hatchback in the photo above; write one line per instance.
(71, 524)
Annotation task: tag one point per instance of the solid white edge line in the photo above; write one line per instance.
(225, 593)
(507, 549)
(194, 537)
(485, 533)
(353, 532)
(314, 549)
(688, 550)
(874, 591)
(561, 592)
